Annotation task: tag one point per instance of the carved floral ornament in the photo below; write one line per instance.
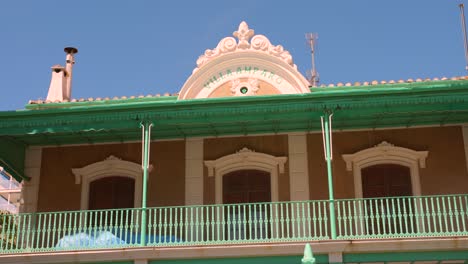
(247, 41)
(245, 159)
(385, 152)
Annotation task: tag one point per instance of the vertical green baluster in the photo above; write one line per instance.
(394, 216)
(292, 222)
(439, 215)
(138, 222)
(39, 231)
(405, 215)
(4, 228)
(309, 219)
(303, 220)
(366, 217)
(29, 231)
(176, 224)
(223, 221)
(171, 224)
(361, 217)
(200, 221)
(182, 227)
(338, 218)
(462, 214)
(190, 225)
(372, 216)
(451, 214)
(211, 237)
(228, 207)
(378, 215)
(316, 217)
(444, 214)
(218, 224)
(44, 230)
(197, 224)
(346, 216)
(266, 218)
(382, 216)
(130, 226)
(186, 216)
(288, 221)
(260, 221)
(465, 206)
(49, 230)
(355, 219)
(8, 226)
(429, 211)
(341, 206)
(420, 217)
(325, 220)
(411, 215)
(123, 235)
(282, 236)
(244, 222)
(399, 215)
(385, 216)
(456, 214)
(160, 221)
(154, 224)
(165, 224)
(22, 243)
(150, 229)
(236, 222)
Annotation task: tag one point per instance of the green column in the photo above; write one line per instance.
(146, 140)
(326, 130)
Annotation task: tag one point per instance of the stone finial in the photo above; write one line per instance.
(243, 34)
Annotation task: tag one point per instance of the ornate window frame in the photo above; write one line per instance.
(246, 159)
(111, 166)
(386, 153)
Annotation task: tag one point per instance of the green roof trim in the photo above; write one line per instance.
(363, 107)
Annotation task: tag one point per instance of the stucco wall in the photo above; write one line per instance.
(58, 191)
(445, 170)
(276, 145)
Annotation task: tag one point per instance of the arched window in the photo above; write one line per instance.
(246, 159)
(109, 176)
(365, 162)
(111, 193)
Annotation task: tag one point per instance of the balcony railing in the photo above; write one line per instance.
(393, 217)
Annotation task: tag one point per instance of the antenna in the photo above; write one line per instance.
(462, 17)
(311, 42)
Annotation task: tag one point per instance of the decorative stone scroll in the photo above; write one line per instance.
(244, 34)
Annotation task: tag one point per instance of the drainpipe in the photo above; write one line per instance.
(327, 143)
(145, 143)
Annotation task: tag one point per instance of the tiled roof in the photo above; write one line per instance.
(375, 82)
(340, 84)
(97, 99)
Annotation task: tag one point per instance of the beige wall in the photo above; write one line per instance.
(445, 170)
(219, 147)
(58, 190)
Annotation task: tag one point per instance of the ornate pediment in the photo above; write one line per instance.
(247, 41)
(245, 64)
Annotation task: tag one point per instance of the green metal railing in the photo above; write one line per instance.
(235, 223)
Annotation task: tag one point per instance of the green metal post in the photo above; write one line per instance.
(328, 158)
(146, 140)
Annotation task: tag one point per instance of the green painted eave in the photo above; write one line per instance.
(362, 107)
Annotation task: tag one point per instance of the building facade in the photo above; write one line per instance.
(246, 164)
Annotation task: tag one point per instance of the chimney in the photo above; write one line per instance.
(60, 84)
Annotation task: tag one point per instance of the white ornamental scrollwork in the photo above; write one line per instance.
(244, 35)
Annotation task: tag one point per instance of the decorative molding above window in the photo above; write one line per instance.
(246, 159)
(111, 166)
(386, 153)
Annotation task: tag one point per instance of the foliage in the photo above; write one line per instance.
(8, 230)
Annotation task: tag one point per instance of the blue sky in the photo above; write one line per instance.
(148, 47)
